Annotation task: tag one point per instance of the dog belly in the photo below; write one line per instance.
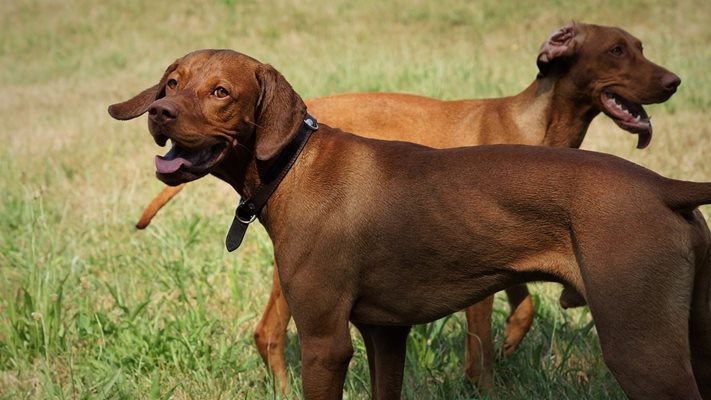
(431, 291)
(407, 295)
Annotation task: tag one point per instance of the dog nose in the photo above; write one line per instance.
(163, 112)
(670, 82)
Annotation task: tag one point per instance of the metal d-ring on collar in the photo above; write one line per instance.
(241, 211)
(311, 122)
(248, 209)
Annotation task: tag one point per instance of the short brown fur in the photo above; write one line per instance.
(390, 234)
(555, 110)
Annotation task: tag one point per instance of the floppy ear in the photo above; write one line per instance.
(279, 114)
(139, 104)
(562, 43)
(136, 106)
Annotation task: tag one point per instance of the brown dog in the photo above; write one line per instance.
(583, 70)
(391, 234)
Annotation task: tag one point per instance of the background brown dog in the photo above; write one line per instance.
(390, 234)
(583, 70)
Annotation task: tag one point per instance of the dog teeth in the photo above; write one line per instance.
(619, 105)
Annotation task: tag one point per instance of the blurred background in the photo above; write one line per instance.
(91, 308)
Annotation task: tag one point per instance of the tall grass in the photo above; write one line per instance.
(91, 308)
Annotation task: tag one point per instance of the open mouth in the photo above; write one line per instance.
(628, 116)
(180, 165)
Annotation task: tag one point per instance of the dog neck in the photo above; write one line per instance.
(256, 185)
(552, 109)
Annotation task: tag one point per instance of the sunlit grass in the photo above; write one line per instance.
(90, 308)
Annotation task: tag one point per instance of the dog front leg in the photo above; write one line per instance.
(325, 354)
(386, 347)
(321, 304)
(478, 354)
(520, 319)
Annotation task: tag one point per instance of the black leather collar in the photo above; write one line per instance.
(248, 209)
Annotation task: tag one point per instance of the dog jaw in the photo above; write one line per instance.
(180, 165)
(628, 115)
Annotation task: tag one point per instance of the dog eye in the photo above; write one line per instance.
(172, 83)
(617, 51)
(220, 92)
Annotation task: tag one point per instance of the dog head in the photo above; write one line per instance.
(606, 65)
(210, 102)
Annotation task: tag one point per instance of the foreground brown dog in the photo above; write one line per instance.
(583, 70)
(391, 234)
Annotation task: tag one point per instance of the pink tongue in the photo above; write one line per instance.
(643, 140)
(169, 166)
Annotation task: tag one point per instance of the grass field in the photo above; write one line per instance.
(90, 308)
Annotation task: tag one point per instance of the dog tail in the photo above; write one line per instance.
(686, 196)
(156, 204)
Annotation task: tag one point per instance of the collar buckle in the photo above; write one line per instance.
(248, 209)
(246, 212)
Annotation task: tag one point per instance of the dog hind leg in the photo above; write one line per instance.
(700, 327)
(645, 339)
(270, 333)
(700, 337)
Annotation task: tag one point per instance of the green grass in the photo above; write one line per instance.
(92, 309)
